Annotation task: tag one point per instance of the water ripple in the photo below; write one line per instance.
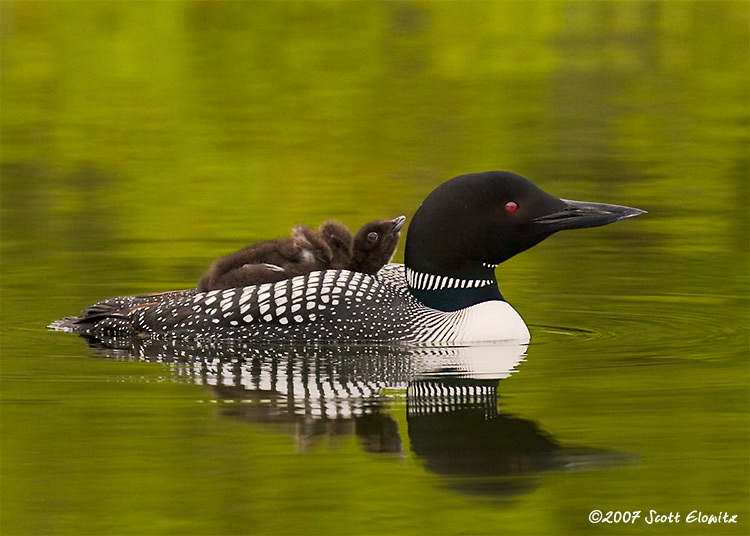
(684, 325)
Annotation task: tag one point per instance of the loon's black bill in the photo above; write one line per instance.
(582, 214)
(398, 223)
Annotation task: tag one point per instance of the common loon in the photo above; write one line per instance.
(306, 251)
(445, 293)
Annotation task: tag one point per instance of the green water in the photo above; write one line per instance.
(142, 139)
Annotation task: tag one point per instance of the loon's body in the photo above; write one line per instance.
(332, 247)
(329, 305)
(445, 293)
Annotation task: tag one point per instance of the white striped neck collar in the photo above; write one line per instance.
(424, 281)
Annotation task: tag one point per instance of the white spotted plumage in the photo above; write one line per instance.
(320, 306)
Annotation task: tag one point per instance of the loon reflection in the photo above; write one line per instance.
(454, 424)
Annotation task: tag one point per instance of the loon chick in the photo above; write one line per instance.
(446, 292)
(339, 240)
(331, 248)
(375, 245)
(266, 261)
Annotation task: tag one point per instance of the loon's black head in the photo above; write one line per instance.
(471, 223)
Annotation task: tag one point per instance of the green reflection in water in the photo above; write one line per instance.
(140, 140)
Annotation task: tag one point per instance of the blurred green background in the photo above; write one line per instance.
(142, 139)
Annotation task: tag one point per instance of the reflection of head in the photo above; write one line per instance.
(454, 426)
(458, 430)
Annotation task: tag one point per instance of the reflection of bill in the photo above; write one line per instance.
(454, 424)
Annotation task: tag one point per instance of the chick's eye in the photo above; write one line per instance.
(511, 207)
(372, 236)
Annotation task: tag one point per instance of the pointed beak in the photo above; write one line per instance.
(582, 214)
(397, 224)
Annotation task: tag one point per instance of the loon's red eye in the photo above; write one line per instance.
(511, 206)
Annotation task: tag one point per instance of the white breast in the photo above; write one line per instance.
(487, 322)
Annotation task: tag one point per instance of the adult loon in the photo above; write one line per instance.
(332, 247)
(446, 293)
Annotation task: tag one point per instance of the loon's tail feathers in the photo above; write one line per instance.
(114, 309)
(97, 316)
